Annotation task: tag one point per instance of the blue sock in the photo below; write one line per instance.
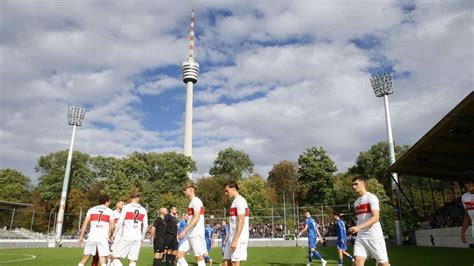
(206, 258)
(340, 261)
(315, 253)
(310, 257)
(350, 257)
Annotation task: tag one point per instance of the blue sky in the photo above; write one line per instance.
(276, 77)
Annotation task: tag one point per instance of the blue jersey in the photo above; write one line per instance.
(312, 227)
(208, 232)
(181, 225)
(224, 232)
(341, 230)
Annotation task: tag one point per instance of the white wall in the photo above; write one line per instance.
(443, 237)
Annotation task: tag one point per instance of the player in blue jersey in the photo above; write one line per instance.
(341, 239)
(224, 235)
(313, 236)
(181, 225)
(209, 237)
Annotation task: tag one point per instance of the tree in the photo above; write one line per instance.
(52, 168)
(15, 186)
(374, 163)
(283, 178)
(211, 191)
(386, 209)
(316, 176)
(232, 164)
(259, 196)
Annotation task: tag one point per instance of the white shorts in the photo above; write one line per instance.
(374, 248)
(195, 244)
(91, 246)
(115, 243)
(127, 249)
(240, 253)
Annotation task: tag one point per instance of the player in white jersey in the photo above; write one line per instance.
(236, 249)
(133, 225)
(102, 226)
(468, 203)
(370, 240)
(116, 240)
(193, 233)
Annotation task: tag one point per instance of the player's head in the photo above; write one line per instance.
(359, 184)
(467, 178)
(224, 222)
(119, 205)
(135, 197)
(163, 211)
(231, 189)
(337, 216)
(184, 216)
(173, 210)
(307, 214)
(190, 189)
(104, 200)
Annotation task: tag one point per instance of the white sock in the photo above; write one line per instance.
(182, 262)
(117, 262)
(104, 264)
(132, 264)
(80, 264)
(202, 263)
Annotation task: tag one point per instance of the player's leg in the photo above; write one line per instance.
(340, 257)
(103, 251)
(198, 245)
(314, 252)
(377, 250)
(158, 245)
(134, 252)
(240, 254)
(348, 255)
(84, 260)
(226, 256)
(360, 252)
(184, 247)
(207, 257)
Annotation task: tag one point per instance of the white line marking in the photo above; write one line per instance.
(31, 257)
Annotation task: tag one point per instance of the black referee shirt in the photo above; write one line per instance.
(160, 227)
(171, 224)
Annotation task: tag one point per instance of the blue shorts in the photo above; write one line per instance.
(341, 246)
(312, 241)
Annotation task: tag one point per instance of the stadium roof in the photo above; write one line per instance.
(11, 205)
(446, 150)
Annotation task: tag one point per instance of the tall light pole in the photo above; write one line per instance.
(75, 116)
(190, 69)
(383, 86)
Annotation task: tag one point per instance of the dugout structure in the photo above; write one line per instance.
(444, 152)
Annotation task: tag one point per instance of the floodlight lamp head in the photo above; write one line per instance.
(75, 115)
(382, 84)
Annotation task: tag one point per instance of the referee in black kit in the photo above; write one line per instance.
(158, 233)
(171, 241)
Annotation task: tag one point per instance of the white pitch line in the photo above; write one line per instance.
(31, 257)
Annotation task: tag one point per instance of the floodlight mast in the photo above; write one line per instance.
(75, 116)
(383, 86)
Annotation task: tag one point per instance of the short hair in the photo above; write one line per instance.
(232, 184)
(190, 184)
(336, 214)
(467, 177)
(134, 195)
(103, 199)
(360, 178)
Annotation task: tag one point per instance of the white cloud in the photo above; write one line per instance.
(276, 77)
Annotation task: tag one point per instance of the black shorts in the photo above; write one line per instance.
(159, 245)
(171, 242)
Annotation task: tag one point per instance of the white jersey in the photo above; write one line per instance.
(196, 206)
(99, 217)
(468, 203)
(133, 222)
(239, 206)
(116, 216)
(363, 208)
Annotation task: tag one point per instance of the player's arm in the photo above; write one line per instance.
(145, 226)
(465, 224)
(194, 221)
(375, 218)
(319, 234)
(303, 230)
(111, 227)
(120, 223)
(240, 226)
(83, 229)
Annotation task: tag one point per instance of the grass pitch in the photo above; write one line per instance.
(271, 256)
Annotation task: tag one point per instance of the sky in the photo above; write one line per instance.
(276, 77)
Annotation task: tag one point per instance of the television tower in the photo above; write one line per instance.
(190, 75)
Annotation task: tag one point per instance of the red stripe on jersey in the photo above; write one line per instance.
(116, 220)
(233, 212)
(363, 208)
(103, 218)
(191, 211)
(469, 205)
(133, 216)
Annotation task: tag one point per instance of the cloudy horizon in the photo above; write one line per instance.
(276, 77)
